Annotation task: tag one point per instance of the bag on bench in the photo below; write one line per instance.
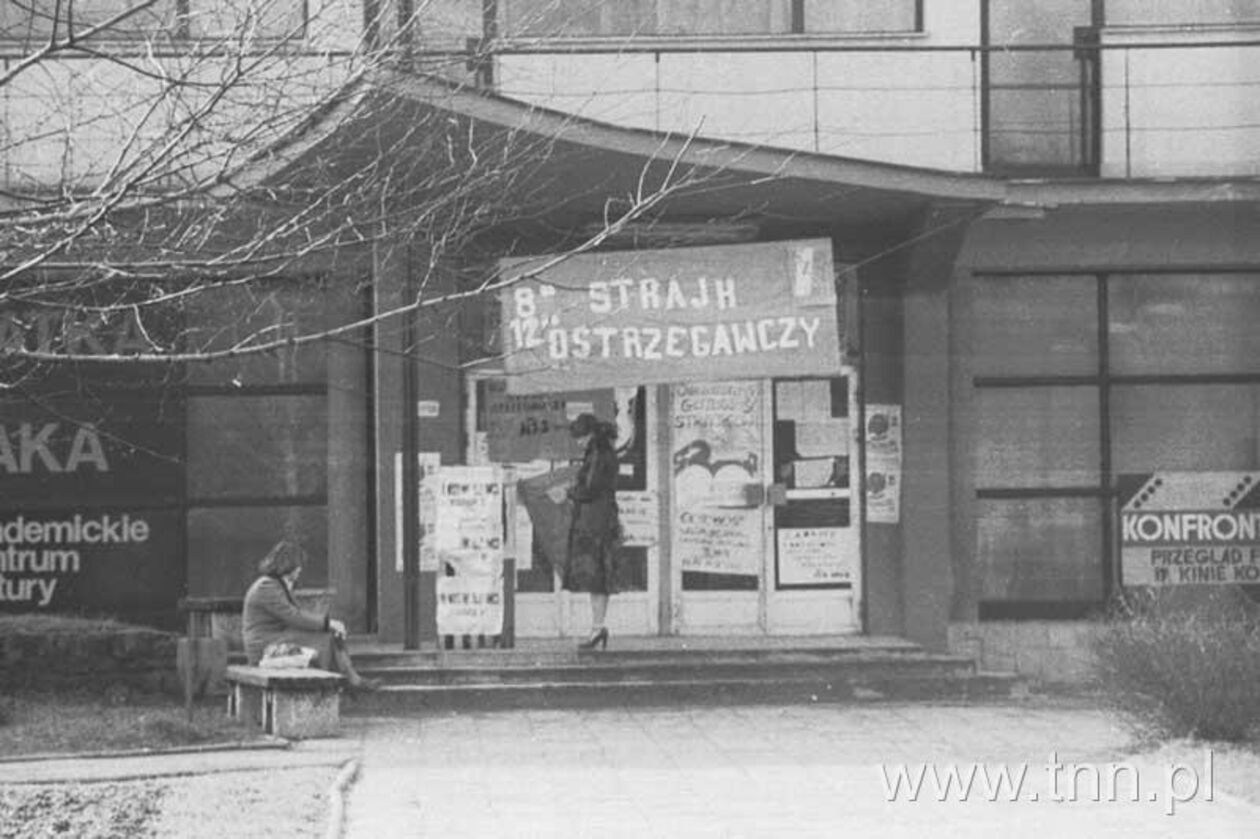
(285, 656)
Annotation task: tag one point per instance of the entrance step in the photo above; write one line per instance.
(479, 680)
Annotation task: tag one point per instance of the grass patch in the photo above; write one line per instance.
(41, 723)
(1181, 667)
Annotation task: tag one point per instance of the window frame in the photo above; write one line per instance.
(179, 30)
(497, 25)
(1106, 382)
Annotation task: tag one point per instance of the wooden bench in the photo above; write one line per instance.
(292, 703)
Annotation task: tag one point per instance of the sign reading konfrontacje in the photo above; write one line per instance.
(1190, 528)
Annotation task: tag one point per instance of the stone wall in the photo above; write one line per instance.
(1046, 651)
(129, 659)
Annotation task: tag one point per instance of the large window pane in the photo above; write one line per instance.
(1037, 437)
(1046, 549)
(256, 314)
(1035, 95)
(257, 446)
(226, 543)
(577, 18)
(1185, 427)
(1184, 324)
(583, 18)
(851, 16)
(1035, 326)
(1146, 13)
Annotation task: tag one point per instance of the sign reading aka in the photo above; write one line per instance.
(677, 315)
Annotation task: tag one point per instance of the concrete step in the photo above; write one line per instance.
(492, 679)
(633, 669)
(702, 690)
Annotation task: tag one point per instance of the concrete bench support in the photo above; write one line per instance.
(297, 704)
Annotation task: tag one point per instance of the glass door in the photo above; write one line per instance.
(717, 445)
(814, 559)
(530, 435)
(764, 528)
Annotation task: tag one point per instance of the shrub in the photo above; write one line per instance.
(1181, 664)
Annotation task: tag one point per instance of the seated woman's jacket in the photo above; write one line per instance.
(271, 615)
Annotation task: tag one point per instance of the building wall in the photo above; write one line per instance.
(1031, 508)
(74, 117)
(918, 108)
(1180, 112)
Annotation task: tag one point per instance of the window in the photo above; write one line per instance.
(667, 18)
(25, 20)
(1035, 110)
(1183, 12)
(1080, 379)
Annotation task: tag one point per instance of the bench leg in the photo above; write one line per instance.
(245, 703)
(299, 715)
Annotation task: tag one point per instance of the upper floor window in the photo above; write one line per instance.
(29, 20)
(1183, 12)
(666, 18)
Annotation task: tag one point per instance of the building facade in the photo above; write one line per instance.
(1037, 224)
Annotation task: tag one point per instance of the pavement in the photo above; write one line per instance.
(860, 770)
(766, 771)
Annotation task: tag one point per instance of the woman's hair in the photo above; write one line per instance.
(282, 558)
(585, 424)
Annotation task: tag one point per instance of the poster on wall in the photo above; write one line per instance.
(469, 541)
(427, 470)
(670, 315)
(469, 605)
(883, 463)
(810, 556)
(717, 477)
(1189, 528)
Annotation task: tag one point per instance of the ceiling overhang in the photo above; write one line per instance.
(581, 169)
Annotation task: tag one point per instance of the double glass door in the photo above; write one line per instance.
(763, 526)
(736, 499)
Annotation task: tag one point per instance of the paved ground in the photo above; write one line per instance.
(750, 771)
(769, 772)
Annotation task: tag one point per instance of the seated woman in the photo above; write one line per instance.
(271, 615)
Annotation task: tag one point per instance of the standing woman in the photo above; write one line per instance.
(271, 616)
(594, 530)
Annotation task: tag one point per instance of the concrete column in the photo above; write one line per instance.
(349, 514)
(389, 281)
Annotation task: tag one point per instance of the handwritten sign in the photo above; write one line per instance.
(814, 555)
(521, 428)
(640, 517)
(675, 315)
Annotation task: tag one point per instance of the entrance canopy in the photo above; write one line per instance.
(559, 172)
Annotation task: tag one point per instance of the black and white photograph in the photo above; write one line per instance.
(732, 419)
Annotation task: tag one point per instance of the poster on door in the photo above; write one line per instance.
(716, 438)
(811, 556)
(883, 464)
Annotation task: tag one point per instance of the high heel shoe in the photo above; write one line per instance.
(599, 639)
